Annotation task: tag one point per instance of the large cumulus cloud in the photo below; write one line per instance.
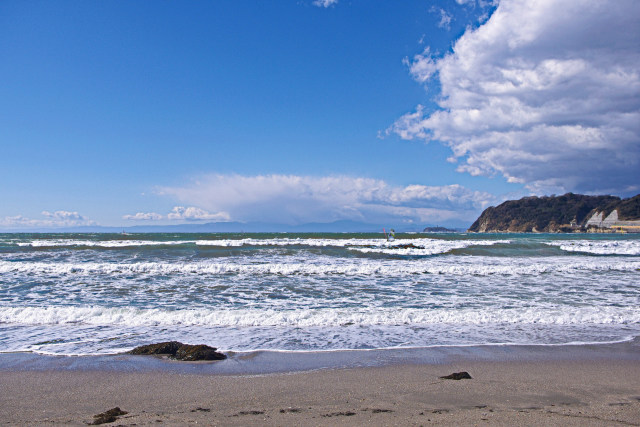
(545, 93)
(299, 199)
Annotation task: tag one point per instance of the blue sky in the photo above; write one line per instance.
(138, 112)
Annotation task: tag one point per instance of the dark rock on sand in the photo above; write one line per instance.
(457, 376)
(169, 347)
(192, 353)
(380, 411)
(290, 410)
(108, 416)
(177, 350)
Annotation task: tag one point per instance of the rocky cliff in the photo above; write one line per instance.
(567, 213)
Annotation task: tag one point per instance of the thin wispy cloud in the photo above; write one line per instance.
(179, 213)
(445, 17)
(478, 3)
(51, 219)
(324, 3)
(143, 216)
(544, 93)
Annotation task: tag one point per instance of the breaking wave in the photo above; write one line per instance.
(130, 316)
(358, 267)
(600, 247)
(431, 246)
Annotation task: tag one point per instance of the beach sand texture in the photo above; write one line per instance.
(596, 392)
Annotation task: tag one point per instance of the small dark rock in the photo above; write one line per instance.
(177, 350)
(248, 413)
(108, 416)
(290, 410)
(380, 411)
(457, 376)
(340, 414)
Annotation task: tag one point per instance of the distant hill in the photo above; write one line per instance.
(439, 229)
(567, 213)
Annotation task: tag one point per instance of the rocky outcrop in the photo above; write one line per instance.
(178, 351)
(567, 213)
(191, 353)
(165, 348)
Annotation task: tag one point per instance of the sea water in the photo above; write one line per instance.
(75, 294)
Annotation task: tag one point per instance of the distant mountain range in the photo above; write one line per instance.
(567, 213)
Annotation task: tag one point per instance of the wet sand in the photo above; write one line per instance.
(592, 387)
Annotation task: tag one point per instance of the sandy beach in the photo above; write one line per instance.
(599, 385)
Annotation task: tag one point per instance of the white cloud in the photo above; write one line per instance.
(196, 214)
(298, 199)
(423, 66)
(52, 219)
(143, 216)
(180, 213)
(545, 93)
(445, 18)
(324, 3)
(481, 3)
(63, 216)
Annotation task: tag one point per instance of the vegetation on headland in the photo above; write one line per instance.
(551, 214)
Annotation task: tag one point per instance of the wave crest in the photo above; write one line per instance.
(130, 316)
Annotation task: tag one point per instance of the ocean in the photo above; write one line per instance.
(89, 294)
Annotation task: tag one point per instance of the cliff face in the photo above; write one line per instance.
(566, 213)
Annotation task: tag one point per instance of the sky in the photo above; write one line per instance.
(418, 112)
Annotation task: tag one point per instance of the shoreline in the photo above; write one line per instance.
(510, 385)
(283, 362)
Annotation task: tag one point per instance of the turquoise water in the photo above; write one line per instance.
(105, 293)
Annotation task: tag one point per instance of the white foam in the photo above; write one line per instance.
(428, 246)
(325, 317)
(600, 247)
(431, 247)
(305, 242)
(99, 243)
(424, 246)
(354, 267)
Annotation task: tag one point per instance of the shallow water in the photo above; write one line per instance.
(104, 293)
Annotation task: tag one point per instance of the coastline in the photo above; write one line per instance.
(263, 362)
(560, 384)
